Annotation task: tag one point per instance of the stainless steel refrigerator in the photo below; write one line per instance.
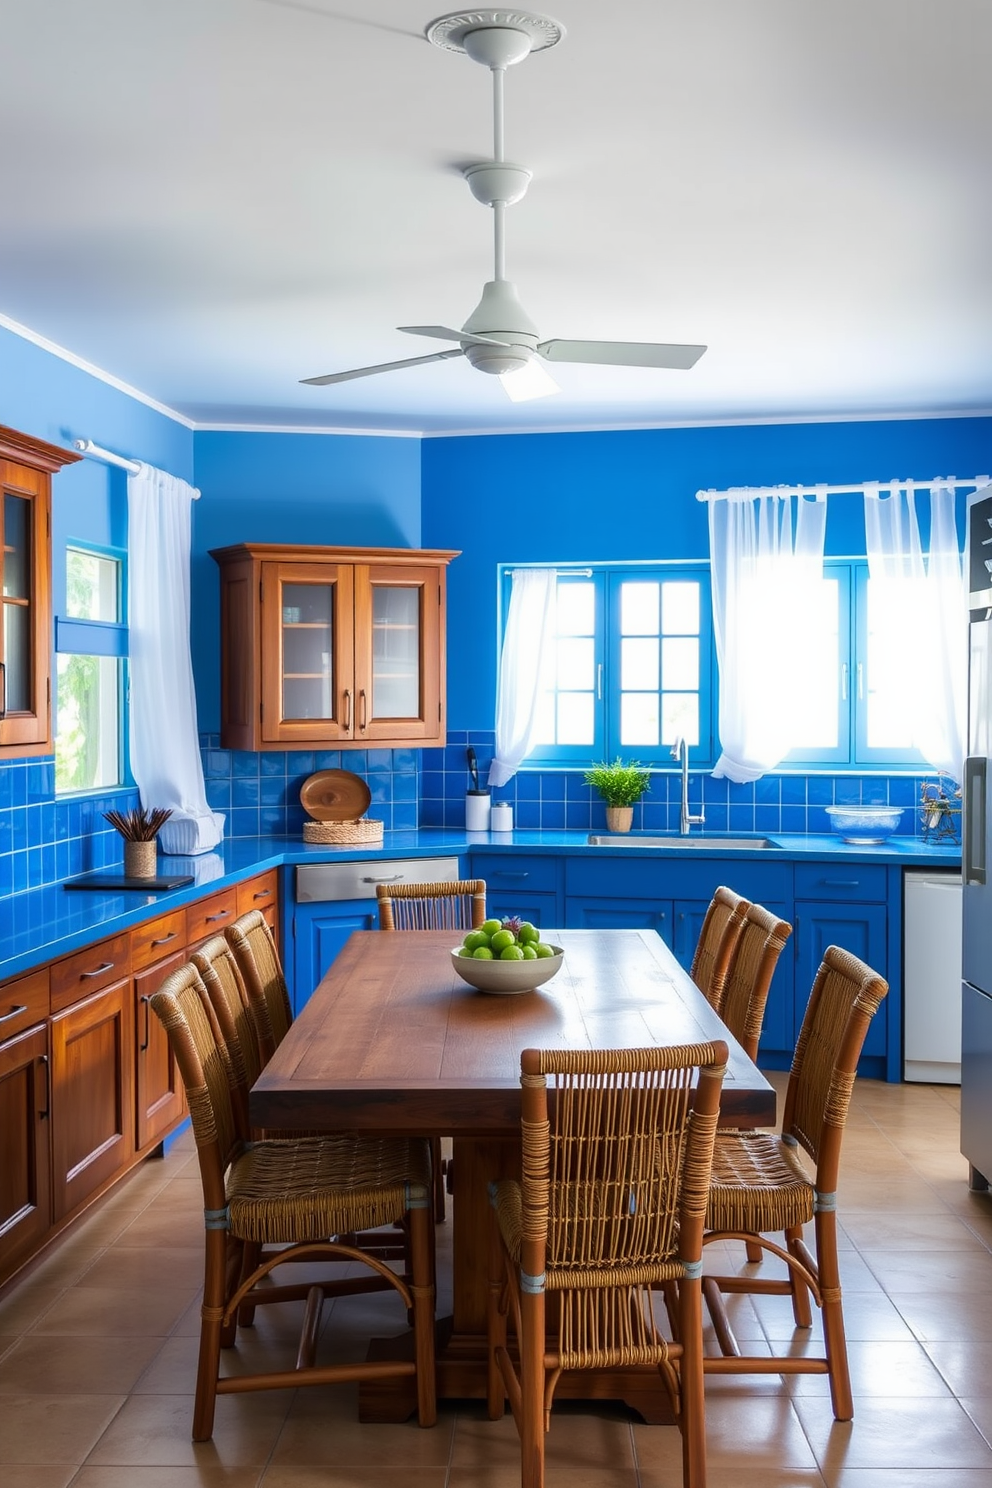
(976, 855)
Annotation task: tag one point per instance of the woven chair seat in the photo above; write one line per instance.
(289, 1192)
(758, 1184)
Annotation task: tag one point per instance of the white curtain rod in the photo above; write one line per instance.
(107, 457)
(975, 480)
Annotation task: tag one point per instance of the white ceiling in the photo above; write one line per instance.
(210, 199)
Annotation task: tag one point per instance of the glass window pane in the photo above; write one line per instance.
(813, 693)
(639, 664)
(639, 609)
(576, 664)
(576, 605)
(890, 674)
(575, 718)
(680, 715)
(680, 608)
(545, 726)
(92, 586)
(680, 662)
(638, 718)
(87, 743)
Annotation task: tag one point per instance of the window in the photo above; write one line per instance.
(91, 647)
(633, 666)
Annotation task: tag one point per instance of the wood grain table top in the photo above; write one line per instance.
(394, 1040)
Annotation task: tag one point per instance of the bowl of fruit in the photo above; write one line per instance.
(506, 955)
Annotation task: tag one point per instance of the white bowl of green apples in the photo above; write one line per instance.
(506, 955)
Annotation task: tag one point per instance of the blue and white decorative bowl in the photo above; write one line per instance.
(864, 826)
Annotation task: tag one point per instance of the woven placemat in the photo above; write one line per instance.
(345, 833)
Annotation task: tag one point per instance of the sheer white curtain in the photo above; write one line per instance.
(927, 599)
(165, 751)
(766, 549)
(524, 666)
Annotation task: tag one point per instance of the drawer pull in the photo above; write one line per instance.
(396, 878)
(164, 939)
(98, 971)
(221, 914)
(841, 883)
(15, 1012)
(261, 894)
(511, 873)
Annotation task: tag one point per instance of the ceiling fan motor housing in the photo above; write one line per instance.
(500, 314)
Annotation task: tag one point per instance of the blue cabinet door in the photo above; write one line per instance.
(319, 933)
(540, 909)
(582, 913)
(861, 929)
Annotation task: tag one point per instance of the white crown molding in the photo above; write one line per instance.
(306, 429)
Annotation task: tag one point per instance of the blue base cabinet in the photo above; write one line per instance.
(521, 884)
(319, 933)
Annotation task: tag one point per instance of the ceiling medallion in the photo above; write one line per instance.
(450, 31)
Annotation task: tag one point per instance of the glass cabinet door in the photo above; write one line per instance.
(24, 608)
(397, 636)
(307, 684)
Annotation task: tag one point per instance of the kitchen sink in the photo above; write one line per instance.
(626, 840)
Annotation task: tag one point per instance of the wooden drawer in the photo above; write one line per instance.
(23, 1002)
(258, 893)
(158, 938)
(854, 882)
(78, 976)
(211, 916)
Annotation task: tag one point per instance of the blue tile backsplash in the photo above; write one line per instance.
(44, 840)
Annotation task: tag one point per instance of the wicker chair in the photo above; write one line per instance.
(741, 999)
(262, 975)
(615, 1176)
(721, 928)
(457, 905)
(759, 1185)
(291, 1195)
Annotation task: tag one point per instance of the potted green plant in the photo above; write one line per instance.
(621, 785)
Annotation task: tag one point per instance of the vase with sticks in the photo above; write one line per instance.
(139, 828)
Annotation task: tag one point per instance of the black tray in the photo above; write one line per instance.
(108, 882)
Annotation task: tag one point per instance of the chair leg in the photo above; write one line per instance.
(211, 1313)
(693, 1420)
(532, 1414)
(801, 1308)
(832, 1308)
(437, 1168)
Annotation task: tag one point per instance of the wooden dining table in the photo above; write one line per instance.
(393, 1041)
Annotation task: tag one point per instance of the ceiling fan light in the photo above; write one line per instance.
(528, 382)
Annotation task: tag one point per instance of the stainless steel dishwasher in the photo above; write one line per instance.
(332, 900)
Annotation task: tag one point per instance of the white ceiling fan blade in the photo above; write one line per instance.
(623, 353)
(531, 381)
(437, 356)
(444, 333)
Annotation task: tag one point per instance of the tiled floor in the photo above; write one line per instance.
(98, 1347)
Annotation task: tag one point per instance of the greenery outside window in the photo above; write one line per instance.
(91, 651)
(633, 666)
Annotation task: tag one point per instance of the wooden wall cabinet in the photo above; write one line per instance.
(26, 467)
(341, 646)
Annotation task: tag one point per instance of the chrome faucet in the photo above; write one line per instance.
(680, 752)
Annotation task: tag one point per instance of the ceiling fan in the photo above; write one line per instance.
(499, 336)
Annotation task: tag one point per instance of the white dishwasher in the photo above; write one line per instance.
(932, 977)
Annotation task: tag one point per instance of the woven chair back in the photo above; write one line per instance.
(261, 972)
(616, 1164)
(459, 905)
(215, 961)
(184, 1009)
(846, 995)
(745, 990)
(721, 928)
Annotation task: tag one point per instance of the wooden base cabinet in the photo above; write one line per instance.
(25, 1165)
(331, 646)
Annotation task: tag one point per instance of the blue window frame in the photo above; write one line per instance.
(91, 645)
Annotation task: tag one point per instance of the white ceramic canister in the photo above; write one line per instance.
(477, 803)
(501, 817)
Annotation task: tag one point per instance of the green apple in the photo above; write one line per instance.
(491, 926)
(474, 939)
(530, 954)
(502, 940)
(483, 953)
(511, 953)
(528, 933)
(543, 949)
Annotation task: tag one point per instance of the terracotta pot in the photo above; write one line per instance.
(619, 818)
(140, 859)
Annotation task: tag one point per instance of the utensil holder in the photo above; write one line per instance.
(140, 859)
(477, 804)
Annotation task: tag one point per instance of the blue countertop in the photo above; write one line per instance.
(42, 924)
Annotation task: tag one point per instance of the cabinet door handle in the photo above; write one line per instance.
(164, 939)
(43, 1061)
(144, 1039)
(511, 873)
(840, 883)
(98, 971)
(221, 914)
(262, 894)
(364, 717)
(347, 710)
(15, 1012)
(3, 690)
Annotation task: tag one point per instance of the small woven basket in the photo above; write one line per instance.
(344, 833)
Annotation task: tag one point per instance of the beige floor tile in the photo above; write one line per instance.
(350, 1477)
(154, 1431)
(893, 1433)
(882, 1369)
(964, 1363)
(932, 1315)
(882, 1477)
(41, 1365)
(37, 1474)
(323, 1430)
(203, 1475)
(580, 1437)
(917, 1232)
(747, 1433)
(53, 1428)
(134, 1268)
(99, 1311)
(979, 1408)
(24, 1304)
(733, 1476)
